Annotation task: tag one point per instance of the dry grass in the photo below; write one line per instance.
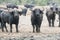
(25, 27)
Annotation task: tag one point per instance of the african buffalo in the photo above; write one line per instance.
(28, 6)
(11, 17)
(24, 11)
(51, 16)
(10, 5)
(36, 19)
(58, 12)
(0, 16)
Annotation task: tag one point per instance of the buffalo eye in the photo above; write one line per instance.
(51, 8)
(56, 8)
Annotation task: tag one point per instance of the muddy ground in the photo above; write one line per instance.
(25, 30)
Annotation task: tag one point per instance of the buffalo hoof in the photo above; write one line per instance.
(11, 31)
(33, 31)
(58, 26)
(52, 26)
(49, 25)
(2, 30)
(38, 31)
(7, 31)
(17, 31)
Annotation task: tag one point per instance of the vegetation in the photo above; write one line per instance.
(35, 2)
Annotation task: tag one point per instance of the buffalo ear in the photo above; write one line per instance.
(20, 13)
(33, 11)
(41, 11)
(56, 9)
(51, 8)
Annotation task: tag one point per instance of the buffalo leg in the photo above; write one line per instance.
(33, 28)
(16, 28)
(59, 20)
(53, 22)
(37, 28)
(59, 23)
(10, 27)
(49, 20)
(6, 28)
(2, 27)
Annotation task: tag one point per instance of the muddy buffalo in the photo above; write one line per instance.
(36, 19)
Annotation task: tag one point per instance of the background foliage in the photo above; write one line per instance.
(35, 2)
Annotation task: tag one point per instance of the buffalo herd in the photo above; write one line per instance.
(12, 16)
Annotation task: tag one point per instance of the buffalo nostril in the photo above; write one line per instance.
(37, 14)
(54, 12)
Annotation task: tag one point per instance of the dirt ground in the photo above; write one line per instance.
(25, 30)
